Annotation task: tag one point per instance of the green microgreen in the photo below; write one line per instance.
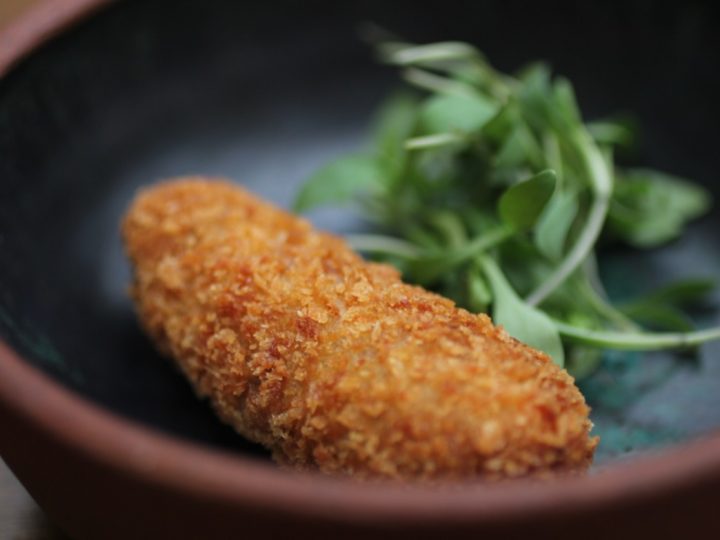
(491, 189)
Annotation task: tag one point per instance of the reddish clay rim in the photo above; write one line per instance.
(141, 453)
(39, 24)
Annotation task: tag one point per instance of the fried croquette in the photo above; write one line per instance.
(332, 362)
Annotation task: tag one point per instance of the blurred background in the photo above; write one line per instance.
(20, 517)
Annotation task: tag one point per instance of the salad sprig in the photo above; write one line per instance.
(491, 189)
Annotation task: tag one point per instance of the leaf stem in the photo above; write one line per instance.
(488, 240)
(377, 243)
(591, 288)
(434, 52)
(636, 341)
(602, 185)
(446, 261)
(436, 83)
(431, 141)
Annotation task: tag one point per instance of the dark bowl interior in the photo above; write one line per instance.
(265, 92)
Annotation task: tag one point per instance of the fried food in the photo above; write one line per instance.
(332, 362)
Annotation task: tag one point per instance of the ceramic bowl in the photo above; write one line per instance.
(97, 99)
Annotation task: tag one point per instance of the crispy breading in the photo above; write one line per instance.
(333, 362)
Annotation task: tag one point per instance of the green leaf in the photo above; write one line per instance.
(684, 292)
(582, 362)
(450, 227)
(620, 132)
(662, 308)
(522, 204)
(555, 222)
(479, 295)
(523, 322)
(512, 152)
(394, 123)
(519, 148)
(553, 155)
(565, 108)
(546, 104)
(435, 167)
(535, 96)
(512, 140)
(426, 269)
(464, 113)
(340, 182)
(650, 208)
(501, 125)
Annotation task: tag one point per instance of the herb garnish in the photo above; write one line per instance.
(492, 191)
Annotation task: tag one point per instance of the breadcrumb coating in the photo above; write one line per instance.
(332, 362)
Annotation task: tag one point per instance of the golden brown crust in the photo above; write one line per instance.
(332, 362)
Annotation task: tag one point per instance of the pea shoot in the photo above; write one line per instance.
(491, 190)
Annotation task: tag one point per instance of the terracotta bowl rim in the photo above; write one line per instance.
(171, 463)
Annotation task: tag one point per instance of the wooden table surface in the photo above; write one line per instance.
(20, 516)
